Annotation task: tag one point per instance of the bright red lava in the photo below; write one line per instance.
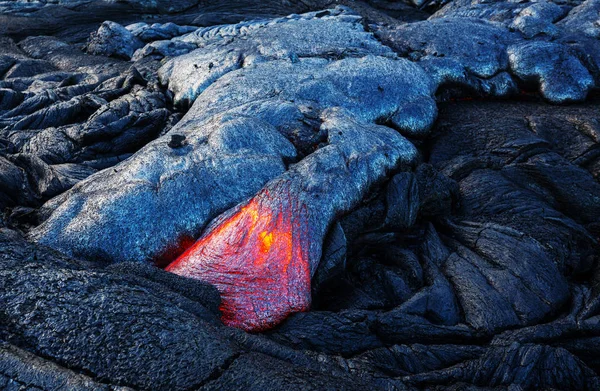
(257, 258)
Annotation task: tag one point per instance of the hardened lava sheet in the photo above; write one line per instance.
(300, 195)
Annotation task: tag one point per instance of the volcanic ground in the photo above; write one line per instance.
(300, 195)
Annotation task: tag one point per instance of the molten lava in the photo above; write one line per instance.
(256, 257)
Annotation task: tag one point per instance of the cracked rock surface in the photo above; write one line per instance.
(382, 195)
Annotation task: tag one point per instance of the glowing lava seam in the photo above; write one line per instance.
(255, 258)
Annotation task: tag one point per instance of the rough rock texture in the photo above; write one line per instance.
(101, 340)
(112, 39)
(127, 326)
(482, 52)
(481, 59)
(453, 253)
(21, 370)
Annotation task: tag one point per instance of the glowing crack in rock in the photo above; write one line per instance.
(262, 254)
(257, 259)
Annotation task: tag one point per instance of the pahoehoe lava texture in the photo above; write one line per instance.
(280, 231)
(394, 195)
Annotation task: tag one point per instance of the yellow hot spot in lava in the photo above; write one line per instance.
(266, 240)
(255, 257)
(251, 210)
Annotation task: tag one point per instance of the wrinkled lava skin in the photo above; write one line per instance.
(256, 259)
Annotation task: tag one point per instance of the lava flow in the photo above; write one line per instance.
(256, 258)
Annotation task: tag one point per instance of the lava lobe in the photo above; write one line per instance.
(255, 257)
(261, 255)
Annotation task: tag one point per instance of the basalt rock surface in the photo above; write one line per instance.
(394, 195)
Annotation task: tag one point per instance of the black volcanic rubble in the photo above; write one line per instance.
(447, 154)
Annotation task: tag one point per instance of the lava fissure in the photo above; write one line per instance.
(261, 255)
(256, 258)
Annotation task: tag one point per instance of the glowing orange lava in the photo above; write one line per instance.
(256, 258)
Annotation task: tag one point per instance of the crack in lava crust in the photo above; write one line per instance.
(255, 257)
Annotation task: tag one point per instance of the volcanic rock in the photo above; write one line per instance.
(406, 198)
(112, 39)
(561, 76)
